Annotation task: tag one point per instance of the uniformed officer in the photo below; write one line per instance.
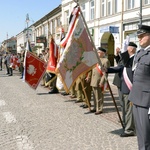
(140, 93)
(126, 79)
(98, 80)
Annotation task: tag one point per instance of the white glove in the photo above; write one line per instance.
(149, 113)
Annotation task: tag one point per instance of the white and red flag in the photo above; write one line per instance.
(73, 17)
(78, 56)
(34, 69)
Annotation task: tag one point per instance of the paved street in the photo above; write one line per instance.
(35, 120)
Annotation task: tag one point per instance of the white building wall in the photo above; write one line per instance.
(20, 42)
(98, 22)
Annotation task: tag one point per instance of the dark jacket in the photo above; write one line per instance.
(121, 59)
(140, 93)
(123, 87)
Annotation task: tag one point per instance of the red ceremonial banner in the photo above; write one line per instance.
(53, 55)
(34, 70)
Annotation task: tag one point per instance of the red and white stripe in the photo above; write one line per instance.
(126, 78)
(71, 26)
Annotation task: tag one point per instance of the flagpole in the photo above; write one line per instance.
(99, 61)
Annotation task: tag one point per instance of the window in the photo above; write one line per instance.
(53, 26)
(146, 2)
(130, 4)
(83, 9)
(115, 6)
(109, 7)
(58, 22)
(92, 10)
(103, 8)
(67, 17)
(46, 30)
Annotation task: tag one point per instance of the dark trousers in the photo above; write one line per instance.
(7, 68)
(11, 71)
(142, 122)
(1, 65)
(129, 120)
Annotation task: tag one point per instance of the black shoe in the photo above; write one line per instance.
(73, 96)
(10, 75)
(53, 91)
(85, 106)
(126, 135)
(21, 77)
(64, 93)
(98, 112)
(91, 111)
(82, 105)
(78, 101)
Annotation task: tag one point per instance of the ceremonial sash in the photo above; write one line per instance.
(99, 69)
(126, 78)
(105, 87)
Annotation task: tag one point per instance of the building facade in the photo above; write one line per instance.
(39, 33)
(110, 21)
(9, 45)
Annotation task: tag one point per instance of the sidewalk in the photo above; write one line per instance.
(37, 120)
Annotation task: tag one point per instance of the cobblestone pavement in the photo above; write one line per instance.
(35, 120)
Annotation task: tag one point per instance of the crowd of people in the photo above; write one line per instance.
(132, 78)
(11, 61)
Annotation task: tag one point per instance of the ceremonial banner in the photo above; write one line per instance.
(16, 62)
(53, 55)
(73, 17)
(28, 47)
(78, 56)
(34, 70)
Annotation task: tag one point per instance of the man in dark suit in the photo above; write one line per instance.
(126, 77)
(120, 58)
(140, 93)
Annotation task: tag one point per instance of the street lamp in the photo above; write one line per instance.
(27, 21)
(140, 14)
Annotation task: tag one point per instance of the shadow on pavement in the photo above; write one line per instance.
(43, 94)
(117, 132)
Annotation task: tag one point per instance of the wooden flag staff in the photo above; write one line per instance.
(99, 61)
(86, 98)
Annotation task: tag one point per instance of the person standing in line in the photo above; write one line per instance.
(11, 64)
(97, 82)
(7, 62)
(140, 92)
(1, 62)
(79, 90)
(21, 67)
(121, 58)
(88, 89)
(126, 77)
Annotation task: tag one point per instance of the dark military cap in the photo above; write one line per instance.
(101, 49)
(143, 29)
(132, 44)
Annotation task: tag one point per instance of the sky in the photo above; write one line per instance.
(13, 14)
